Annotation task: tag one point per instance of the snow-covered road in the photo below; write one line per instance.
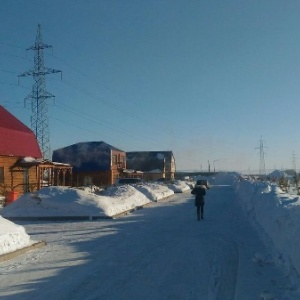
(160, 252)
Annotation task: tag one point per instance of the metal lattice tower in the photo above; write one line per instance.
(262, 167)
(294, 162)
(39, 95)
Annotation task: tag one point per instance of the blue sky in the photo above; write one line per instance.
(205, 79)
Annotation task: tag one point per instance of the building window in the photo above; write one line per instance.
(1, 174)
(114, 159)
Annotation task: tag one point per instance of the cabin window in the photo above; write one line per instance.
(1, 174)
(114, 159)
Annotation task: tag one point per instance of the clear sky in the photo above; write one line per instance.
(206, 79)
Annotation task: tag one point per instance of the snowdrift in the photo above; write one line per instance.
(276, 212)
(64, 201)
(12, 237)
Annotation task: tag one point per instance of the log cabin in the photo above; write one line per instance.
(22, 168)
(17, 141)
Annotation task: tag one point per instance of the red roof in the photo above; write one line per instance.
(16, 139)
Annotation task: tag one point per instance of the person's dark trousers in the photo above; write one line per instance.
(200, 210)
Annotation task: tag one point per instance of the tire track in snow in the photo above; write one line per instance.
(224, 270)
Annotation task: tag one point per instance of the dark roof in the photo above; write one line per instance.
(86, 156)
(160, 155)
(148, 160)
(28, 162)
(16, 139)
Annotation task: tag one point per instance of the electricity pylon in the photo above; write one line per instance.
(39, 95)
(294, 162)
(262, 167)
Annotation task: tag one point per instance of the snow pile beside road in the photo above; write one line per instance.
(154, 191)
(277, 213)
(120, 199)
(63, 201)
(12, 236)
(55, 201)
(179, 186)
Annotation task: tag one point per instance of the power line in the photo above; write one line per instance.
(89, 94)
(108, 104)
(12, 55)
(115, 108)
(90, 118)
(11, 45)
(97, 82)
(96, 133)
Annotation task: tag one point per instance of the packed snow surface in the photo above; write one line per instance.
(64, 202)
(140, 258)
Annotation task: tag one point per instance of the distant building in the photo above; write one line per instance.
(94, 163)
(153, 164)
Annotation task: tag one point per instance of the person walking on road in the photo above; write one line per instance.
(199, 191)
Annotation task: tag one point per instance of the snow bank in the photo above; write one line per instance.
(63, 201)
(278, 214)
(55, 201)
(179, 186)
(154, 191)
(113, 202)
(12, 237)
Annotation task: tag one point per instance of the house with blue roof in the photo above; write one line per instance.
(94, 163)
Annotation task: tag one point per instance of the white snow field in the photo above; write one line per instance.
(163, 252)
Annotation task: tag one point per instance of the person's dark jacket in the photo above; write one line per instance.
(199, 191)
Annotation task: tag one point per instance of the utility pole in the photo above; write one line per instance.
(214, 165)
(296, 175)
(39, 95)
(262, 168)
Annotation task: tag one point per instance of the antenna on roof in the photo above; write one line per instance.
(39, 95)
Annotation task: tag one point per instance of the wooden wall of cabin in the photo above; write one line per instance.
(16, 179)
